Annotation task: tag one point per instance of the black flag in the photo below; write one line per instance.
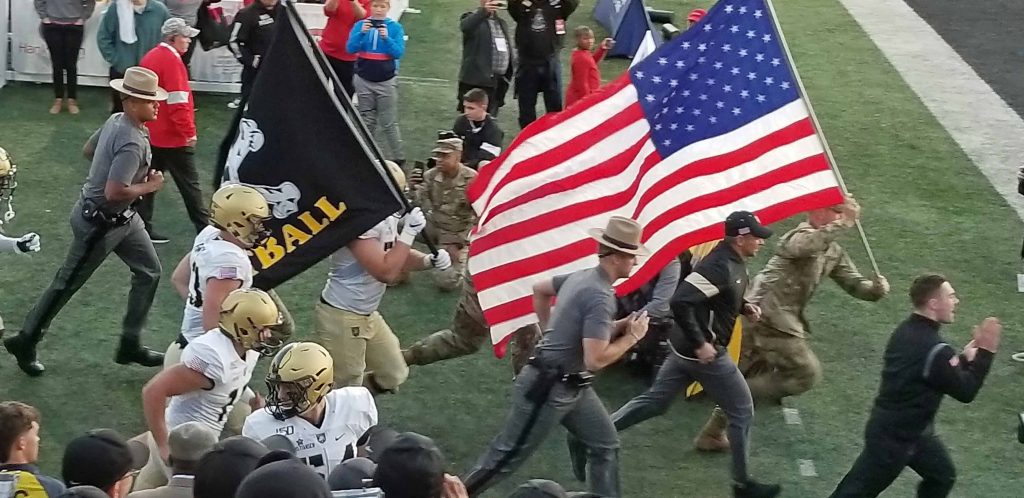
(299, 144)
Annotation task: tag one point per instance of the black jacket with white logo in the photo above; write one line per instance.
(252, 32)
(708, 301)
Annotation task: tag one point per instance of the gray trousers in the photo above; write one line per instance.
(722, 381)
(579, 410)
(90, 247)
(378, 106)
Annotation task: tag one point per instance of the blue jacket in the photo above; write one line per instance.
(377, 57)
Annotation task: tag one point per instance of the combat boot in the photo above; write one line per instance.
(712, 437)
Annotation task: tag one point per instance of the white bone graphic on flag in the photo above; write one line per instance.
(283, 199)
(250, 139)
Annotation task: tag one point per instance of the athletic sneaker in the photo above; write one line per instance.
(754, 489)
(234, 104)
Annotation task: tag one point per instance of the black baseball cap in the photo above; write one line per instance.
(745, 223)
(100, 458)
(223, 468)
(284, 479)
(351, 474)
(411, 467)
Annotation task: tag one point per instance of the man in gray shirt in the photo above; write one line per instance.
(103, 221)
(555, 387)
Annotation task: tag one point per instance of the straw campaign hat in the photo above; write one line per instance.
(140, 83)
(621, 234)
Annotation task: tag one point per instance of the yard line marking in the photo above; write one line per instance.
(807, 468)
(791, 415)
(421, 79)
(980, 122)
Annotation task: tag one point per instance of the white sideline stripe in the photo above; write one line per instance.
(976, 117)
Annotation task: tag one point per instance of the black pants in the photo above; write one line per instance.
(345, 71)
(884, 458)
(187, 56)
(532, 79)
(248, 78)
(88, 250)
(115, 96)
(64, 42)
(495, 95)
(180, 163)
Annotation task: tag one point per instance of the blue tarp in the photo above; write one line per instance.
(628, 22)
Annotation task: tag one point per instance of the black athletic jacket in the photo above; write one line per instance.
(708, 301)
(252, 32)
(919, 369)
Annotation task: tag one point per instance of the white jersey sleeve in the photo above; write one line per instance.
(213, 355)
(211, 258)
(203, 358)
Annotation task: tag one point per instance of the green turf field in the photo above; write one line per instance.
(925, 208)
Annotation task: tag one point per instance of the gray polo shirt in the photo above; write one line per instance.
(122, 155)
(583, 310)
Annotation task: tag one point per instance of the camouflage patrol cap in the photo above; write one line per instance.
(447, 145)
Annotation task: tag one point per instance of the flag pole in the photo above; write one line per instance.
(817, 128)
(341, 95)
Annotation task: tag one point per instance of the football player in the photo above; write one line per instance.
(215, 369)
(365, 350)
(326, 425)
(217, 263)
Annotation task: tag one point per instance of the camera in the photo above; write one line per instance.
(377, 23)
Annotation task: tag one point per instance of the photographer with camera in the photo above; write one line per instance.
(378, 43)
(441, 193)
(488, 59)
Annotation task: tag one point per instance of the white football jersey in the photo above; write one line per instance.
(213, 355)
(349, 286)
(350, 413)
(211, 257)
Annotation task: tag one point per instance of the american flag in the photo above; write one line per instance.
(712, 122)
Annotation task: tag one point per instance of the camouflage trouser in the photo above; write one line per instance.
(777, 364)
(468, 333)
(457, 245)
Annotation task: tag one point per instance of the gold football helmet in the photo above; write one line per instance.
(300, 375)
(396, 171)
(8, 183)
(245, 314)
(240, 210)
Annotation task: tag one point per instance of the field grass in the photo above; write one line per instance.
(925, 208)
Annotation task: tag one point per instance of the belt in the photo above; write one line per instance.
(94, 213)
(574, 379)
(325, 303)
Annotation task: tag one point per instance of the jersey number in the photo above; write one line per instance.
(195, 298)
(318, 464)
(232, 398)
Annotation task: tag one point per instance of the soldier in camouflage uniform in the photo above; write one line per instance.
(776, 358)
(469, 331)
(441, 193)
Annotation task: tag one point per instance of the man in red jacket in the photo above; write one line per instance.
(173, 133)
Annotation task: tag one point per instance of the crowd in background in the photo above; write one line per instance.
(315, 432)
